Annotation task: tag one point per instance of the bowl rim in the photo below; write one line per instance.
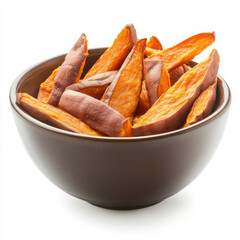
(12, 97)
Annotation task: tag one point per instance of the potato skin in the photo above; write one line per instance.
(40, 115)
(152, 75)
(168, 124)
(69, 70)
(110, 89)
(53, 116)
(94, 86)
(210, 104)
(207, 110)
(177, 118)
(97, 80)
(114, 56)
(176, 73)
(123, 93)
(184, 51)
(93, 112)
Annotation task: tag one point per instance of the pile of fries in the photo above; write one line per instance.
(136, 88)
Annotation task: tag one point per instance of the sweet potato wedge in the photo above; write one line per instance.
(185, 51)
(153, 42)
(126, 86)
(150, 51)
(94, 86)
(114, 56)
(170, 110)
(143, 103)
(176, 56)
(203, 105)
(95, 113)
(157, 79)
(47, 86)
(176, 73)
(70, 71)
(53, 116)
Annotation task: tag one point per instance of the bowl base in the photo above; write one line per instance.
(125, 207)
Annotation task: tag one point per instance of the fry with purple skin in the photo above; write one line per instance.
(70, 70)
(171, 109)
(96, 114)
(178, 55)
(53, 116)
(127, 84)
(176, 73)
(152, 44)
(185, 51)
(47, 86)
(157, 79)
(143, 103)
(203, 105)
(94, 86)
(114, 56)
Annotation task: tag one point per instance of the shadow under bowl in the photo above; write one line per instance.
(117, 173)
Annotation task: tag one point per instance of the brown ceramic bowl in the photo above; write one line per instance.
(113, 172)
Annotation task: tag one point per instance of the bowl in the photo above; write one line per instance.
(117, 173)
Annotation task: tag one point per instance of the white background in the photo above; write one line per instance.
(31, 206)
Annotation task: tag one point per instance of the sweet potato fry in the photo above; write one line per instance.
(170, 110)
(150, 51)
(154, 43)
(203, 105)
(94, 86)
(70, 71)
(53, 116)
(95, 113)
(47, 86)
(185, 51)
(176, 73)
(114, 56)
(143, 103)
(157, 79)
(126, 86)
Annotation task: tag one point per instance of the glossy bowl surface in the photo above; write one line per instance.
(117, 173)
